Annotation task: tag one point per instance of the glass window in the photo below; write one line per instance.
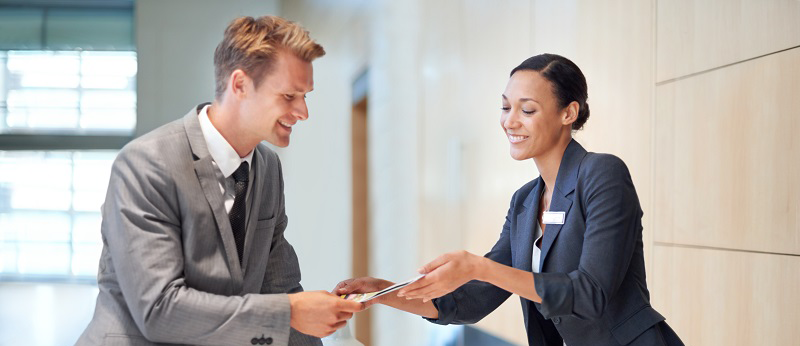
(68, 92)
(50, 212)
(67, 81)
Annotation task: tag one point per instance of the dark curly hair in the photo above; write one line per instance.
(567, 80)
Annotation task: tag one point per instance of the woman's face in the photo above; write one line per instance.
(531, 116)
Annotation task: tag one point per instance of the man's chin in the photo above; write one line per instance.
(278, 142)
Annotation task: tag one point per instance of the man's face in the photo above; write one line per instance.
(278, 103)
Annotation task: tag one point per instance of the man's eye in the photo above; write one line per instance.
(288, 97)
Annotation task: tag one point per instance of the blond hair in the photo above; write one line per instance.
(251, 44)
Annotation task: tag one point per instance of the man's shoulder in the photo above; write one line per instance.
(157, 143)
(269, 156)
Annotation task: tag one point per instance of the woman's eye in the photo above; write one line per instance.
(528, 112)
(288, 97)
(506, 108)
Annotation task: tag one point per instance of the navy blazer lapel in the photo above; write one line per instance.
(562, 194)
(204, 168)
(526, 226)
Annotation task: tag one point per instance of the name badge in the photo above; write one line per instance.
(553, 217)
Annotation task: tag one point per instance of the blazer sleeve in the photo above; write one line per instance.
(283, 268)
(476, 299)
(142, 230)
(613, 223)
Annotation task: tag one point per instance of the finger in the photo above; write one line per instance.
(336, 326)
(349, 306)
(423, 292)
(355, 286)
(341, 284)
(436, 263)
(413, 286)
(344, 316)
(410, 289)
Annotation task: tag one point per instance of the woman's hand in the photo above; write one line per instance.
(444, 275)
(362, 285)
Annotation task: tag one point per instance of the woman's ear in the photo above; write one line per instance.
(570, 114)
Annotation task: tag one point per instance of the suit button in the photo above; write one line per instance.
(269, 341)
(556, 320)
(254, 341)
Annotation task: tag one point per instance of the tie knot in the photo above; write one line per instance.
(242, 173)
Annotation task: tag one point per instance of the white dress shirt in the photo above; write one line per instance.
(225, 160)
(536, 257)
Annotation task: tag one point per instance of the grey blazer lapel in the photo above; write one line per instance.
(566, 181)
(204, 168)
(257, 242)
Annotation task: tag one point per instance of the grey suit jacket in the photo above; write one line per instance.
(169, 271)
(592, 275)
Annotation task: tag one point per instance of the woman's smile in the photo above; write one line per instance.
(514, 139)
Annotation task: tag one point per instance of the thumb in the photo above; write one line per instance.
(350, 306)
(436, 263)
(347, 286)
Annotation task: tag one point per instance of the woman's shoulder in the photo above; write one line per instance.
(601, 166)
(523, 192)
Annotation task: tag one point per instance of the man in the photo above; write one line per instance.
(193, 221)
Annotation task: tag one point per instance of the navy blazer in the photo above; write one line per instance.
(591, 277)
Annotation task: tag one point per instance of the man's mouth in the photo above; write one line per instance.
(285, 124)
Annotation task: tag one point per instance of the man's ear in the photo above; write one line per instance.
(570, 114)
(239, 84)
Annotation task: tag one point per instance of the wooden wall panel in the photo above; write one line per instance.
(612, 43)
(726, 157)
(697, 35)
(718, 297)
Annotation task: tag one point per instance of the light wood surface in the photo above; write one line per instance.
(727, 157)
(361, 249)
(717, 297)
(713, 155)
(697, 35)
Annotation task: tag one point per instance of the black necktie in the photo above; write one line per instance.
(239, 210)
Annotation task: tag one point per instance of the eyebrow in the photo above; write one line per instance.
(524, 99)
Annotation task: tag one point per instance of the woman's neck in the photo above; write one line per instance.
(548, 163)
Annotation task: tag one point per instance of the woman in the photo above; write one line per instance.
(571, 246)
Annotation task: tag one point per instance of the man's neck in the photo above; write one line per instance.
(227, 122)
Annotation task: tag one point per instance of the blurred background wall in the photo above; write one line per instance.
(404, 152)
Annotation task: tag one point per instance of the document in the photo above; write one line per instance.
(363, 297)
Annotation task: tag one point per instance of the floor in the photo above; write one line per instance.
(46, 314)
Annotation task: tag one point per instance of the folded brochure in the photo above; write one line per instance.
(363, 297)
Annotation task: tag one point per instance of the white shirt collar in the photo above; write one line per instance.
(221, 151)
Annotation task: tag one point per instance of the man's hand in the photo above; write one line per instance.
(320, 313)
(444, 275)
(363, 285)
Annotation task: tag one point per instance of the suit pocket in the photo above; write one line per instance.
(125, 340)
(266, 223)
(636, 324)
